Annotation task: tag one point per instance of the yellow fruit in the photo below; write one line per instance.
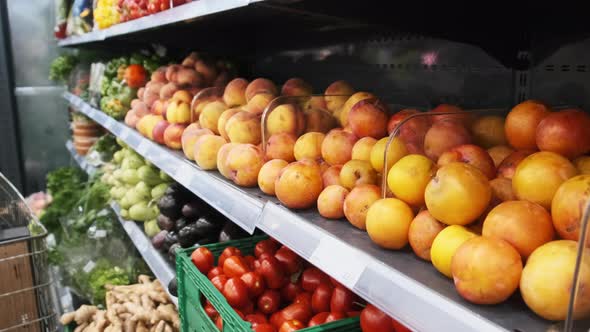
(409, 177)
(583, 164)
(388, 221)
(395, 152)
(445, 245)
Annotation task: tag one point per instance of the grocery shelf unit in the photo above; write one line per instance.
(157, 263)
(396, 281)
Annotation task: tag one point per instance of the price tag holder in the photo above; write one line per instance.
(89, 266)
(100, 233)
(339, 260)
(109, 124)
(184, 175)
(140, 241)
(125, 134)
(143, 147)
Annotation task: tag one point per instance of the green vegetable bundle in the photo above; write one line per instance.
(61, 67)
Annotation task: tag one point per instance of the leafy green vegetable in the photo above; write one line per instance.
(105, 273)
(106, 146)
(61, 67)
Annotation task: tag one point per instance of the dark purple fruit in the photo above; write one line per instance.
(165, 223)
(159, 239)
(192, 210)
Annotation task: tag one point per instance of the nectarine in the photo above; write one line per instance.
(565, 132)
(358, 202)
(408, 178)
(299, 184)
(268, 175)
(422, 232)
(331, 202)
(522, 121)
(388, 221)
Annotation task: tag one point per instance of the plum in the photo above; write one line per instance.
(159, 239)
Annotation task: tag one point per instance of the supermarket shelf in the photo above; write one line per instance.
(80, 159)
(162, 270)
(404, 286)
(185, 12)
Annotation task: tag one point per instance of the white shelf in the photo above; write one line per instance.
(80, 159)
(161, 269)
(399, 283)
(192, 10)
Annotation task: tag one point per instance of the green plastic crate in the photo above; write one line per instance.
(192, 284)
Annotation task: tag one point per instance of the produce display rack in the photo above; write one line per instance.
(157, 263)
(397, 282)
(84, 165)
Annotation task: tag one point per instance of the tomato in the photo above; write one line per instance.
(312, 277)
(235, 266)
(250, 262)
(398, 327)
(336, 315)
(254, 282)
(203, 259)
(264, 328)
(277, 319)
(235, 292)
(318, 319)
(219, 282)
(135, 76)
(256, 319)
(353, 314)
(299, 311)
(155, 6)
(272, 273)
(228, 252)
(211, 311)
(290, 291)
(248, 308)
(373, 319)
(320, 300)
(289, 260)
(335, 282)
(265, 246)
(214, 272)
(342, 300)
(219, 323)
(303, 298)
(291, 325)
(269, 302)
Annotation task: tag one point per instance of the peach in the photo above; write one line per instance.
(331, 176)
(582, 164)
(508, 165)
(268, 175)
(488, 131)
(458, 194)
(357, 172)
(318, 120)
(158, 131)
(280, 146)
(368, 118)
(501, 191)
(547, 280)
(173, 136)
(522, 121)
(323, 166)
(159, 107)
(398, 117)
(567, 207)
(309, 146)
(408, 178)
(539, 175)
(463, 118)
(244, 127)
(422, 232)
(337, 147)
(222, 121)
(235, 92)
(299, 185)
(411, 132)
(260, 85)
(286, 118)
(190, 136)
(209, 117)
(565, 132)
(243, 163)
(206, 149)
(178, 111)
(395, 151)
(296, 87)
(499, 153)
(362, 148)
(331, 202)
(443, 136)
(222, 159)
(524, 225)
(486, 270)
(259, 102)
(358, 202)
(198, 104)
(207, 69)
(182, 95)
(472, 155)
(350, 102)
(444, 246)
(388, 221)
(336, 95)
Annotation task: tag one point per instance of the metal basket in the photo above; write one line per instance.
(27, 296)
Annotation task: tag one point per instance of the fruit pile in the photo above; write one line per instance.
(276, 290)
(162, 108)
(185, 221)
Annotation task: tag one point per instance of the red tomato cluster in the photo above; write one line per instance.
(275, 290)
(375, 320)
(134, 9)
